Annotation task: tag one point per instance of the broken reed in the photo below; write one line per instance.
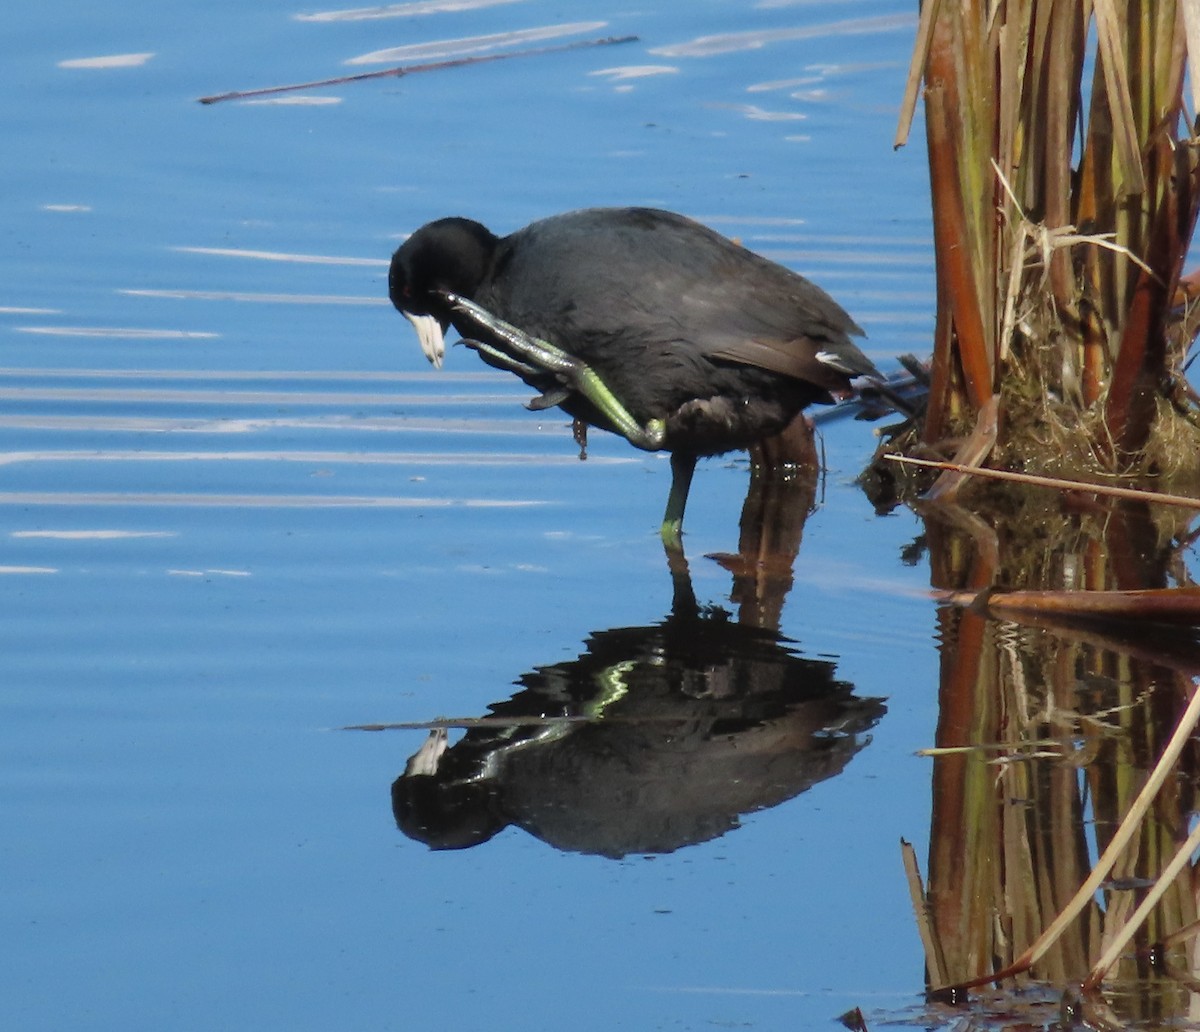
(1061, 218)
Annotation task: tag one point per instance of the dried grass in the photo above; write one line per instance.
(1062, 216)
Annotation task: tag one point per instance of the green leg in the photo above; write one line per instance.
(578, 376)
(683, 466)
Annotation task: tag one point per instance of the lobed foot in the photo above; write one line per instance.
(527, 355)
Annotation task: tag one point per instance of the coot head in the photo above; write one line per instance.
(449, 255)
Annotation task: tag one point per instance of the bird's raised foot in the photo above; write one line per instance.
(548, 400)
(503, 360)
(525, 349)
(530, 356)
(499, 359)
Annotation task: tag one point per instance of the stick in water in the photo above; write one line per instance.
(1054, 482)
(432, 66)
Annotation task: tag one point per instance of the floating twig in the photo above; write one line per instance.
(431, 66)
(1035, 480)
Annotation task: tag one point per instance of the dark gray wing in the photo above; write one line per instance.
(629, 278)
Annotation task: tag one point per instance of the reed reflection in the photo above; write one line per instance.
(660, 736)
(1048, 730)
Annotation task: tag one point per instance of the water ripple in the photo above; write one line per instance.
(409, 10)
(755, 39)
(466, 45)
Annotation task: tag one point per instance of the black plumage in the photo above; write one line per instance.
(709, 345)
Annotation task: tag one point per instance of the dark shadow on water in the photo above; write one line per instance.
(661, 736)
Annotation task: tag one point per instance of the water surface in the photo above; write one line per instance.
(240, 515)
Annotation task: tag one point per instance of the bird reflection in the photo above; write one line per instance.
(655, 737)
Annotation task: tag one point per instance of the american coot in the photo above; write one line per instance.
(635, 320)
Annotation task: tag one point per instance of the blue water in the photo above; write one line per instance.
(238, 513)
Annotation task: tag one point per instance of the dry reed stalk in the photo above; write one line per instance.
(1055, 483)
(1180, 606)
(1016, 138)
